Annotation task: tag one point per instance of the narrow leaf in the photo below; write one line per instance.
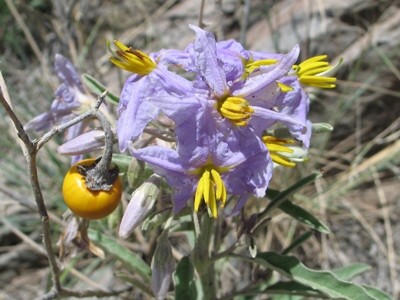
(97, 88)
(132, 261)
(284, 195)
(297, 242)
(323, 281)
(303, 216)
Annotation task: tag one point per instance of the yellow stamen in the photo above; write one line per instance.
(211, 188)
(235, 109)
(311, 72)
(212, 204)
(251, 65)
(284, 87)
(206, 186)
(199, 194)
(131, 60)
(277, 146)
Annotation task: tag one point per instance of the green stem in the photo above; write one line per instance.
(207, 276)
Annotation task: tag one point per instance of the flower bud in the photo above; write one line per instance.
(162, 266)
(142, 201)
(87, 142)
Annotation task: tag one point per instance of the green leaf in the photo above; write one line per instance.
(350, 271)
(297, 242)
(284, 195)
(185, 287)
(378, 294)
(303, 216)
(321, 127)
(323, 281)
(96, 87)
(156, 220)
(122, 161)
(135, 282)
(133, 262)
(291, 289)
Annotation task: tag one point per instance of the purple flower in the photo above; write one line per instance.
(248, 100)
(211, 162)
(152, 81)
(71, 100)
(144, 98)
(70, 97)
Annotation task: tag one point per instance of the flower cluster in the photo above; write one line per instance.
(224, 115)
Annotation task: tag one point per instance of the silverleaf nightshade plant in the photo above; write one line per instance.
(224, 117)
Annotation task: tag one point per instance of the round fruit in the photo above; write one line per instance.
(84, 202)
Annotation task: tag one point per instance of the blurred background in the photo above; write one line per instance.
(359, 195)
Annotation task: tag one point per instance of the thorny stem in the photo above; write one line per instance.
(30, 150)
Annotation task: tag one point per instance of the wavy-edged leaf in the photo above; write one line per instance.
(350, 271)
(322, 281)
(131, 260)
(96, 87)
(293, 290)
(378, 294)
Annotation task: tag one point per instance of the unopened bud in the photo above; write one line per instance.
(142, 201)
(87, 142)
(162, 267)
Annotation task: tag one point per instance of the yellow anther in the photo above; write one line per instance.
(284, 87)
(235, 109)
(206, 186)
(278, 146)
(199, 194)
(251, 65)
(312, 72)
(211, 188)
(131, 60)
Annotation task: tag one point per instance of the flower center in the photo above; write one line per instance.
(277, 146)
(211, 188)
(311, 72)
(131, 60)
(236, 109)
